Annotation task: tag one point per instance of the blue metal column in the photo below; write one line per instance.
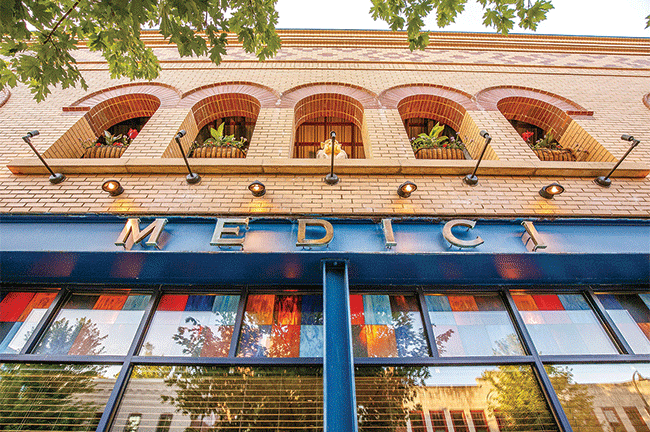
(338, 375)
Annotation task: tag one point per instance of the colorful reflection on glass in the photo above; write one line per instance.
(94, 325)
(492, 398)
(631, 314)
(54, 397)
(472, 325)
(562, 324)
(197, 398)
(282, 326)
(192, 325)
(387, 326)
(604, 397)
(20, 312)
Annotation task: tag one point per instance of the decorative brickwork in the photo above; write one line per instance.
(167, 95)
(440, 109)
(4, 96)
(365, 98)
(225, 105)
(265, 96)
(328, 105)
(488, 98)
(392, 97)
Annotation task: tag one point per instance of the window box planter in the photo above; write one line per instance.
(439, 153)
(211, 151)
(546, 154)
(104, 151)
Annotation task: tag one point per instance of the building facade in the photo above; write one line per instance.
(461, 271)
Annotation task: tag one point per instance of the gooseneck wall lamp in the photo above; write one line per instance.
(331, 178)
(191, 178)
(471, 179)
(605, 181)
(55, 178)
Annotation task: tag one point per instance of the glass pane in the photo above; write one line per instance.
(224, 398)
(472, 325)
(632, 317)
(282, 326)
(91, 324)
(387, 326)
(20, 312)
(563, 324)
(604, 397)
(54, 397)
(450, 396)
(192, 326)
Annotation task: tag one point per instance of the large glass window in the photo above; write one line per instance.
(282, 326)
(385, 396)
(91, 324)
(387, 326)
(472, 325)
(20, 312)
(53, 397)
(231, 398)
(631, 315)
(598, 396)
(192, 325)
(562, 324)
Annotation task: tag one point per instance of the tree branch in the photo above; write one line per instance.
(49, 37)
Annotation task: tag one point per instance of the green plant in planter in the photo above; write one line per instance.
(435, 139)
(548, 142)
(218, 139)
(110, 140)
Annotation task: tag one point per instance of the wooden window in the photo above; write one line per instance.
(635, 418)
(417, 421)
(311, 133)
(438, 421)
(613, 420)
(480, 422)
(459, 421)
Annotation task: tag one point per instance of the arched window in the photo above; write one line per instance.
(317, 115)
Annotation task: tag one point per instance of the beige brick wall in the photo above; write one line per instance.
(600, 82)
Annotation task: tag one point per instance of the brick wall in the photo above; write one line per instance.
(602, 95)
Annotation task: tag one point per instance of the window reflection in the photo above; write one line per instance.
(493, 398)
(387, 326)
(562, 324)
(53, 397)
(604, 397)
(94, 325)
(20, 312)
(631, 314)
(224, 398)
(192, 325)
(472, 325)
(282, 326)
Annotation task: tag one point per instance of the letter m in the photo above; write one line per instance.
(131, 233)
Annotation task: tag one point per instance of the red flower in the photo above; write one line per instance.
(444, 145)
(132, 133)
(98, 144)
(526, 135)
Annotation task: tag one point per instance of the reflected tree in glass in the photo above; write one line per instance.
(81, 338)
(50, 397)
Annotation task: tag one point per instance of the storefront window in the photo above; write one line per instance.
(206, 398)
(92, 324)
(192, 325)
(631, 315)
(282, 326)
(452, 395)
(387, 326)
(562, 324)
(472, 325)
(20, 312)
(598, 396)
(54, 397)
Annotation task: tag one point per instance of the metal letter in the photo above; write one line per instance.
(532, 236)
(452, 239)
(131, 233)
(387, 226)
(220, 230)
(302, 226)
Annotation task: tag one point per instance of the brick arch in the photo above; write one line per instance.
(392, 97)
(437, 108)
(225, 105)
(328, 105)
(365, 98)
(167, 95)
(4, 96)
(541, 114)
(646, 100)
(99, 118)
(266, 97)
(488, 99)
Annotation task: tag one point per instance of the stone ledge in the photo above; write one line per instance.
(311, 166)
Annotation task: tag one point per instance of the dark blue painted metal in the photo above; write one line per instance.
(339, 396)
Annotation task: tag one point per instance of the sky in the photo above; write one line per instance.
(570, 17)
